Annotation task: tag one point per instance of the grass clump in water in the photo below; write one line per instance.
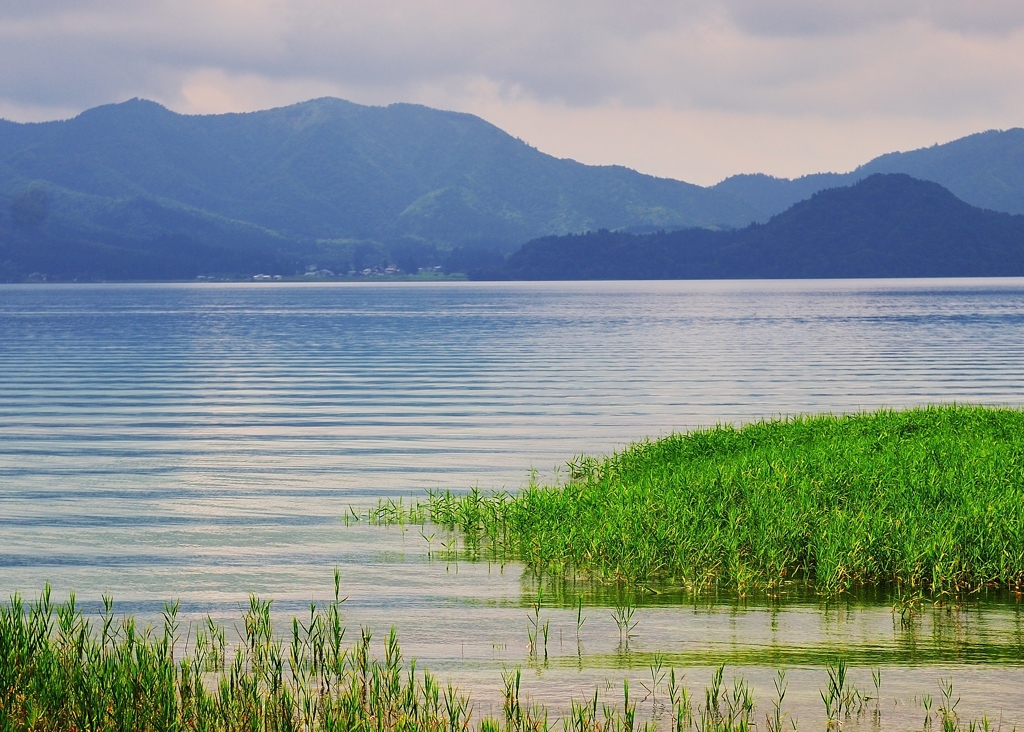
(923, 500)
(60, 672)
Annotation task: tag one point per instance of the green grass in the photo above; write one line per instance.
(921, 501)
(61, 671)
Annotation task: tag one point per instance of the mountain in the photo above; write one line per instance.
(64, 235)
(985, 170)
(136, 191)
(324, 182)
(886, 225)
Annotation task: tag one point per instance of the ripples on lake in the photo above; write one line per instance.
(203, 441)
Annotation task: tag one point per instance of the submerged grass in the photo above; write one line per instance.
(61, 673)
(927, 500)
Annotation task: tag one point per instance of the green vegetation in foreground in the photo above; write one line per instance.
(925, 500)
(59, 673)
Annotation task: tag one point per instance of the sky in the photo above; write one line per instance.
(689, 89)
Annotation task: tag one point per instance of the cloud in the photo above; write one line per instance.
(790, 18)
(928, 67)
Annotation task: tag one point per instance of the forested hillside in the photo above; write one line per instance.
(884, 226)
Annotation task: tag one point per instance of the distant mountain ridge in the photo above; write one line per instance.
(326, 177)
(136, 191)
(886, 225)
(985, 170)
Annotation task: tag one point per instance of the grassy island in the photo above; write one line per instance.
(925, 500)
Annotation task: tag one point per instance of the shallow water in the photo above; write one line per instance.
(203, 441)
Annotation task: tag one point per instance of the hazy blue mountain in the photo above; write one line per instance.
(886, 225)
(769, 195)
(134, 190)
(986, 170)
(64, 235)
(327, 176)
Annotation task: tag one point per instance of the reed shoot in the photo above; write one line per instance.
(60, 671)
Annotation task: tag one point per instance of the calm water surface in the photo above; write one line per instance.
(200, 442)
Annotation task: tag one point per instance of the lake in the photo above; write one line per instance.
(204, 441)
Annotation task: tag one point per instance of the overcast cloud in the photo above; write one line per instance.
(694, 90)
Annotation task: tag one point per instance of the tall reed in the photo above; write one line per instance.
(58, 672)
(61, 671)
